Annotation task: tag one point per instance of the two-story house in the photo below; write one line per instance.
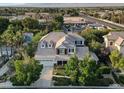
(114, 40)
(73, 24)
(58, 47)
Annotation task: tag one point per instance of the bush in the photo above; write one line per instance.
(121, 78)
(25, 74)
(118, 70)
(105, 70)
(61, 81)
(101, 82)
(116, 78)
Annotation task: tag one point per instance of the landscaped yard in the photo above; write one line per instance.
(61, 81)
(59, 70)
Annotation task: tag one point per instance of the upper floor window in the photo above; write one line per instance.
(50, 46)
(61, 51)
(42, 46)
(78, 42)
(71, 51)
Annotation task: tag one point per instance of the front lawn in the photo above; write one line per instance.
(61, 81)
(59, 70)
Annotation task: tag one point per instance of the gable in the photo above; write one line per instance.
(61, 46)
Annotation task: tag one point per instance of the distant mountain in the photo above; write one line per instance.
(60, 4)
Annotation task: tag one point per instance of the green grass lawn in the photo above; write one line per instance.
(59, 70)
(61, 81)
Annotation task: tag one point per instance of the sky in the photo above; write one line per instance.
(60, 4)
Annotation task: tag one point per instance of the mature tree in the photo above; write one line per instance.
(72, 69)
(17, 24)
(26, 71)
(18, 39)
(93, 34)
(59, 19)
(3, 24)
(37, 37)
(121, 63)
(30, 23)
(57, 23)
(12, 38)
(97, 15)
(95, 46)
(8, 37)
(88, 71)
(81, 72)
(115, 57)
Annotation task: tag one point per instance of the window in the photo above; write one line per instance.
(61, 51)
(78, 42)
(81, 42)
(111, 43)
(42, 45)
(75, 42)
(50, 46)
(71, 51)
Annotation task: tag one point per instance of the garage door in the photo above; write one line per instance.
(47, 62)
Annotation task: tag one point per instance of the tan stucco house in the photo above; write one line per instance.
(114, 40)
(74, 24)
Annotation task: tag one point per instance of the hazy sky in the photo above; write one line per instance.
(60, 4)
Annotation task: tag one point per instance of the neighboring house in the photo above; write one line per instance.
(20, 17)
(40, 16)
(73, 24)
(58, 47)
(115, 40)
(96, 26)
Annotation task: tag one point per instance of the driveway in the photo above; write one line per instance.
(45, 78)
(4, 69)
(6, 84)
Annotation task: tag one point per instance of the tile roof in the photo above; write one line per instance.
(73, 20)
(119, 41)
(115, 35)
(53, 36)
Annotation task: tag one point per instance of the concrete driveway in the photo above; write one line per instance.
(45, 78)
(4, 69)
(6, 84)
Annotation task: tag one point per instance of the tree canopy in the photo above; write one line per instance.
(30, 23)
(3, 24)
(26, 71)
(81, 72)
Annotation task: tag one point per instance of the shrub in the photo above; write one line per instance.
(116, 78)
(105, 70)
(121, 78)
(61, 81)
(101, 82)
(118, 70)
